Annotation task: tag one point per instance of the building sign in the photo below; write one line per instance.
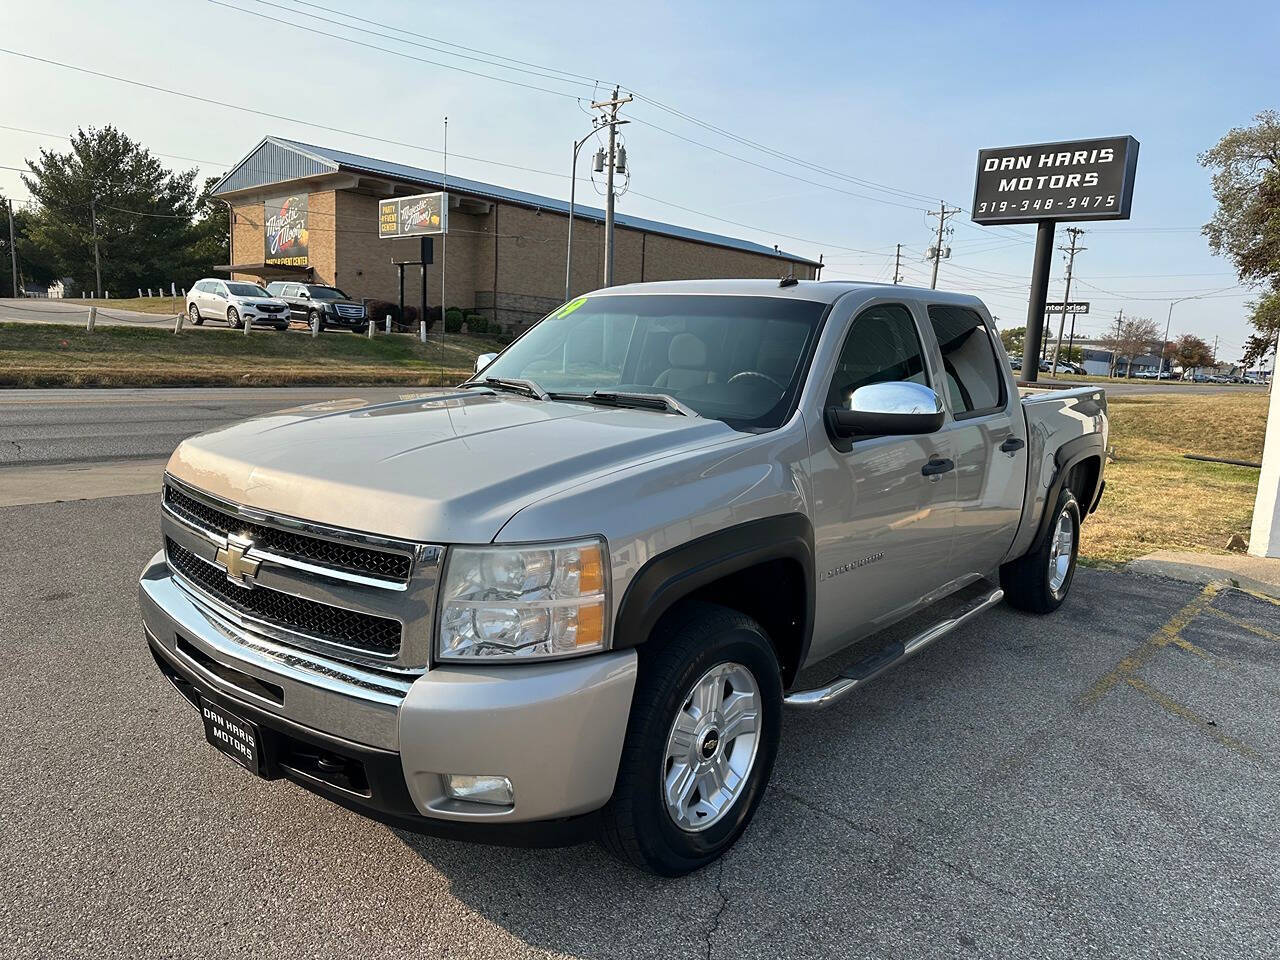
(1075, 306)
(417, 216)
(286, 232)
(1072, 180)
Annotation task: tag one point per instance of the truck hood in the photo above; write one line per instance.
(451, 468)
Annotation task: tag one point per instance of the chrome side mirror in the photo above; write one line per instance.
(484, 360)
(887, 409)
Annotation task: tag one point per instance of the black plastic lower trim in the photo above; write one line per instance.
(363, 779)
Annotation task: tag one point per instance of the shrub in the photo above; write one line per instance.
(453, 321)
(377, 310)
(477, 324)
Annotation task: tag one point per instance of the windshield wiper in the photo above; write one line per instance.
(528, 388)
(640, 401)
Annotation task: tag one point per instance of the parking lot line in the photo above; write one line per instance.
(1169, 634)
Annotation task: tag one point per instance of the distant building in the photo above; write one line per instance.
(506, 248)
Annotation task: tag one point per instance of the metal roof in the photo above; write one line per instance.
(277, 160)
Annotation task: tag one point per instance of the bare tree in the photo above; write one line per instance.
(1129, 338)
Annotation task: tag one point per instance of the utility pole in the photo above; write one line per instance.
(97, 264)
(1076, 233)
(942, 213)
(444, 237)
(610, 108)
(897, 266)
(13, 251)
(1115, 343)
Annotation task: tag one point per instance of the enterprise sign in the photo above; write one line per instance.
(1072, 180)
(422, 215)
(1073, 306)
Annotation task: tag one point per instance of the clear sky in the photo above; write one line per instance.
(892, 95)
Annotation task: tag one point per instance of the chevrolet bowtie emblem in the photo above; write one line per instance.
(241, 569)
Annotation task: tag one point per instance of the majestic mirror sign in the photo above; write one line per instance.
(1072, 180)
(422, 215)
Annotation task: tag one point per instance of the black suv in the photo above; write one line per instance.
(319, 306)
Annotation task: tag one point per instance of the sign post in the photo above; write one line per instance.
(1042, 184)
(423, 215)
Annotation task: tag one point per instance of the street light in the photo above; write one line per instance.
(1164, 347)
(573, 183)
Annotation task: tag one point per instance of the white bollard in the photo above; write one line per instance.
(139, 293)
(1264, 535)
(93, 318)
(368, 328)
(245, 325)
(422, 330)
(177, 323)
(388, 324)
(315, 326)
(173, 290)
(148, 293)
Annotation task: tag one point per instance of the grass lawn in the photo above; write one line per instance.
(62, 356)
(168, 306)
(1157, 500)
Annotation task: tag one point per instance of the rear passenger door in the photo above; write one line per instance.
(988, 438)
(290, 296)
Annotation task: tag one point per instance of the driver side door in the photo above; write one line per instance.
(882, 508)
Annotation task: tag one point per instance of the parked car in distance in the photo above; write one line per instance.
(574, 594)
(321, 306)
(237, 302)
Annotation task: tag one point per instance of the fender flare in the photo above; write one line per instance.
(671, 576)
(1069, 454)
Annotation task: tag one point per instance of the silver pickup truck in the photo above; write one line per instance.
(572, 596)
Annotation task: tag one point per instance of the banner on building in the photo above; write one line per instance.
(425, 214)
(286, 232)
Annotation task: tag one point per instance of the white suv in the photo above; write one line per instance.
(237, 302)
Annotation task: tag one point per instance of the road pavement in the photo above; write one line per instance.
(32, 310)
(1100, 782)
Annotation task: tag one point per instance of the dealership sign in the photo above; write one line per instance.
(1075, 306)
(423, 215)
(286, 233)
(1072, 180)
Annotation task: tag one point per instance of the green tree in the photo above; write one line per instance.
(1246, 186)
(1014, 339)
(209, 242)
(111, 185)
(1265, 317)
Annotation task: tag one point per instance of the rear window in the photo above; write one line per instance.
(975, 383)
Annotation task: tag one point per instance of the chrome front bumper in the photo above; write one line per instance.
(554, 730)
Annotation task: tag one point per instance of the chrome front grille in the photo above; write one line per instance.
(350, 311)
(360, 631)
(353, 596)
(324, 553)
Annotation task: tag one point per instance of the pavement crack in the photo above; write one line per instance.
(724, 903)
(900, 844)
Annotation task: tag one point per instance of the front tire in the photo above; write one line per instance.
(193, 313)
(233, 319)
(700, 744)
(1039, 581)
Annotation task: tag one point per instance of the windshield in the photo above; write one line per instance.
(736, 359)
(327, 293)
(246, 290)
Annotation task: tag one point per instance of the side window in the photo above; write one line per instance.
(203, 286)
(882, 346)
(975, 383)
(290, 290)
(221, 290)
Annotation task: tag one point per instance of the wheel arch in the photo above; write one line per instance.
(1078, 467)
(762, 568)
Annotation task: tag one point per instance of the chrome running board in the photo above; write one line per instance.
(868, 668)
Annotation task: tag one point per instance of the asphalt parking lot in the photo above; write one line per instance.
(1100, 782)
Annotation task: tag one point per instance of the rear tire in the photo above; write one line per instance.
(1039, 581)
(700, 744)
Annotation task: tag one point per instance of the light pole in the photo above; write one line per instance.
(1164, 347)
(573, 183)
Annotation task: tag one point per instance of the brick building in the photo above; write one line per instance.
(506, 248)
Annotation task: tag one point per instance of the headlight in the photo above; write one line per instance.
(533, 602)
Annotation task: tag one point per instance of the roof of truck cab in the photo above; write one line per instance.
(822, 291)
